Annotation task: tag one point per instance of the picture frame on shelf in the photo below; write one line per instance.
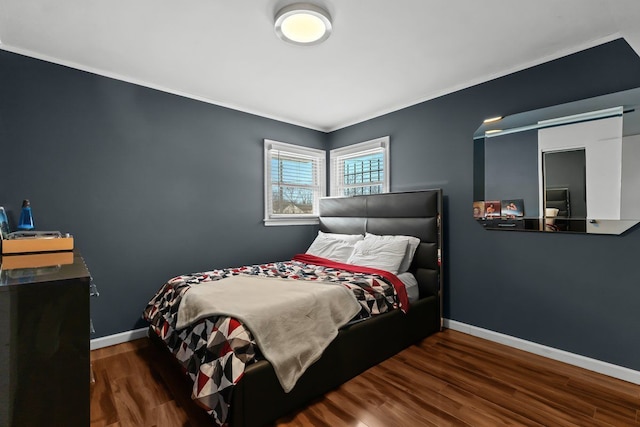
(478, 209)
(492, 209)
(513, 208)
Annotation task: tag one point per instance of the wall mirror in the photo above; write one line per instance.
(573, 167)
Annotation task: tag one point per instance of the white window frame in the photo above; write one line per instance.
(338, 156)
(320, 183)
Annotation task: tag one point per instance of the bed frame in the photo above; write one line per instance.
(258, 398)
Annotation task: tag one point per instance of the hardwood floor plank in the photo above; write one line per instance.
(615, 419)
(607, 384)
(448, 379)
(103, 410)
(133, 402)
(113, 350)
(516, 395)
(328, 413)
(176, 385)
(399, 400)
(169, 415)
(436, 403)
(611, 399)
(359, 406)
(469, 379)
(366, 414)
(531, 383)
(540, 363)
(503, 393)
(118, 366)
(548, 410)
(485, 360)
(487, 408)
(559, 395)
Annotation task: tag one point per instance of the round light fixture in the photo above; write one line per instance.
(303, 24)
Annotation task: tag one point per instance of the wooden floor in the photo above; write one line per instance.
(449, 379)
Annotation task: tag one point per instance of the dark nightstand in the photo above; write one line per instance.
(44, 342)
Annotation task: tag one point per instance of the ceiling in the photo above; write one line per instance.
(383, 55)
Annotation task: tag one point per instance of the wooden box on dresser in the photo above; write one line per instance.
(44, 341)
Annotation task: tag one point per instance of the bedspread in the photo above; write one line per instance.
(214, 351)
(264, 305)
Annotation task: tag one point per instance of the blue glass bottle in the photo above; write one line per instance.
(26, 218)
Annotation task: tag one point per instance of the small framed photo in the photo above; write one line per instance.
(4, 224)
(513, 208)
(492, 209)
(478, 209)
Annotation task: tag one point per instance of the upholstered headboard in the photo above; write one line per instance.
(416, 213)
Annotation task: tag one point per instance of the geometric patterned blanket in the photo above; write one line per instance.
(214, 351)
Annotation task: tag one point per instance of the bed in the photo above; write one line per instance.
(256, 396)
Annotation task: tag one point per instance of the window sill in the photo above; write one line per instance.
(290, 221)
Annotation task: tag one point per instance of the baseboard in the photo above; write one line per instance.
(595, 365)
(118, 338)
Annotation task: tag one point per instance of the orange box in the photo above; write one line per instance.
(46, 259)
(30, 245)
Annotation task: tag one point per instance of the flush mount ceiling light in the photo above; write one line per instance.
(303, 24)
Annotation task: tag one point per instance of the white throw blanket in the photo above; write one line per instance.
(292, 321)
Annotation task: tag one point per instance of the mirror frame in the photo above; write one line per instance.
(624, 104)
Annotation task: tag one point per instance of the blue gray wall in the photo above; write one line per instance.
(150, 184)
(511, 169)
(153, 185)
(579, 293)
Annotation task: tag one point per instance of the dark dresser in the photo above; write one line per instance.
(44, 340)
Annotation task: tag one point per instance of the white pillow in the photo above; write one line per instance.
(412, 245)
(381, 255)
(349, 238)
(331, 248)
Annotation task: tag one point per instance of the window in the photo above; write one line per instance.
(294, 183)
(360, 168)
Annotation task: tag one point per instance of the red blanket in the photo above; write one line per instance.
(397, 283)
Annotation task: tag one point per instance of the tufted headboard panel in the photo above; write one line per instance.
(416, 213)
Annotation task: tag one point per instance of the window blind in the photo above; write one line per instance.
(360, 169)
(295, 180)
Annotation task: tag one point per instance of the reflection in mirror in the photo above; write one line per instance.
(573, 167)
(564, 189)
